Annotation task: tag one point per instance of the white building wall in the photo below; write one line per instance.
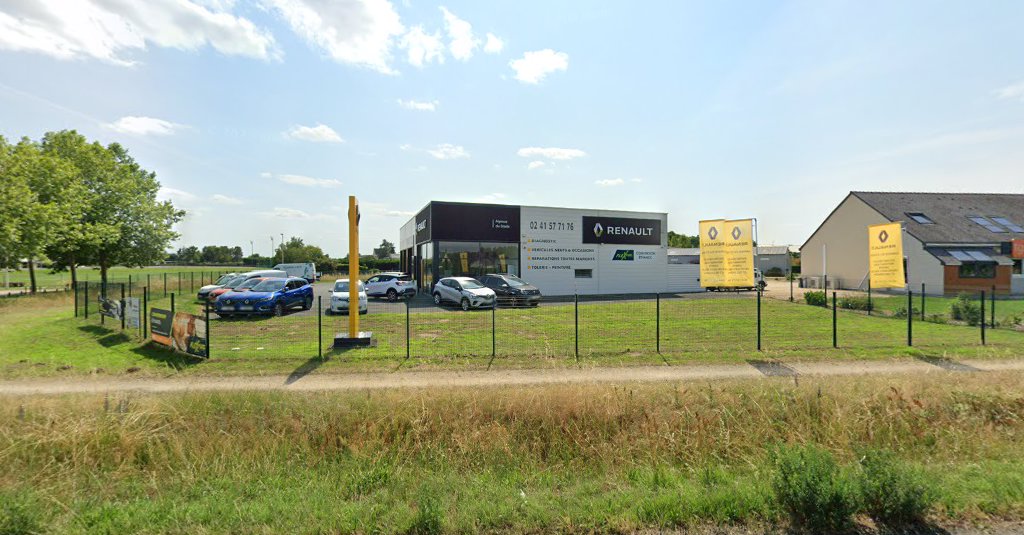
(552, 249)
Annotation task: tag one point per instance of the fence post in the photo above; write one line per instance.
(408, 302)
(993, 300)
(910, 317)
(103, 295)
(320, 325)
(122, 306)
(922, 301)
(145, 312)
(165, 284)
(76, 299)
(179, 282)
(758, 319)
(869, 297)
(790, 285)
(172, 305)
(494, 343)
(835, 338)
(576, 320)
(192, 282)
(209, 328)
(86, 299)
(657, 322)
(129, 285)
(982, 322)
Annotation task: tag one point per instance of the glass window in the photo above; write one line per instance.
(499, 258)
(584, 273)
(1018, 266)
(271, 285)
(426, 267)
(470, 284)
(1008, 224)
(987, 224)
(342, 286)
(920, 218)
(977, 271)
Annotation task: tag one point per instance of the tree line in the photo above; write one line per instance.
(76, 203)
(294, 250)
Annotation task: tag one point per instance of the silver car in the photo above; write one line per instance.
(466, 292)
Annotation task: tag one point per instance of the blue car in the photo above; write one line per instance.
(272, 296)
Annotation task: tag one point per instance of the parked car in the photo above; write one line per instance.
(511, 290)
(759, 284)
(271, 296)
(304, 270)
(340, 297)
(204, 292)
(391, 285)
(463, 291)
(241, 278)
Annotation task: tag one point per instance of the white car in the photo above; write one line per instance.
(466, 292)
(204, 292)
(391, 285)
(340, 297)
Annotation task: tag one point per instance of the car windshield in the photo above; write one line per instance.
(224, 279)
(248, 284)
(269, 286)
(470, 284)
(514, 281)
(234, 282)
(342, 286)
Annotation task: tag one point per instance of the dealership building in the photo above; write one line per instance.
(562, 251)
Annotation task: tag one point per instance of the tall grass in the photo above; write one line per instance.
(562, 458)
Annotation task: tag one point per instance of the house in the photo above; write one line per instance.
(953, 242)
(768, 258)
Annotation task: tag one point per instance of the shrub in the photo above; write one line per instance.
(965, 308)
(892, 492)
(901, 312)
(19, 513)
(811, 489)
(816, 298)
(855, 303)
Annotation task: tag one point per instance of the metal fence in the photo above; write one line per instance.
(588, 326)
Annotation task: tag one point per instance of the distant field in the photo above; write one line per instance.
(554, 459)
(120, 274)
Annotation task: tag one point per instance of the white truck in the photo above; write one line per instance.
(759, 284)
(305, 270)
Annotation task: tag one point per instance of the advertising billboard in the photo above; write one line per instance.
(621, 230)
(160, 323)
(188, 334)
(473, 222)
(727, 253)
(132, 313)
(110, 308)
(885, 255)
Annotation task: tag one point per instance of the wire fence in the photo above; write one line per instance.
(587, 326)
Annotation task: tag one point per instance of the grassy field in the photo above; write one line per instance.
(535, 459)
(1008, 311)
(45, 279)
(39, 336)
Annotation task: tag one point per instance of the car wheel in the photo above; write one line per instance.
(392, 295)
(329, 311)
(535, 303)
(465, 304)
(279, 309)
(437, 299)
(308, 303)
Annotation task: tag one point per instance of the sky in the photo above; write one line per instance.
(260, 117)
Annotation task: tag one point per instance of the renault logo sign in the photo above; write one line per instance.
(712, 233)
(883, 236)
(598, 230)
(621, 230)
(736, 233)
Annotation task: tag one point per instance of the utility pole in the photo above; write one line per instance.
(282, 247)
(272, 252)
(252, 249)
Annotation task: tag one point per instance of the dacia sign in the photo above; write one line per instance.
(621, 230)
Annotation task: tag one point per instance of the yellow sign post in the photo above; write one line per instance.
(355, 337)
(727, 253)
(885, 255)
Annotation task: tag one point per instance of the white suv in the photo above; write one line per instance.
(390, 285)
(463, 291)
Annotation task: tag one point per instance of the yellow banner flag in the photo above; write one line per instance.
(464, 258)
(712, 253)
(885, 255)
(739, 253)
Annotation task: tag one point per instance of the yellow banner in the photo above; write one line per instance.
(503, 263)
(464, 257)
(739, 253)
(885, 255)
(712, 253)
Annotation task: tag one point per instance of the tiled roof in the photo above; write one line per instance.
(949, 212)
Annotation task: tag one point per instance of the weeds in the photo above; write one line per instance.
(891, 492)
(811, 489)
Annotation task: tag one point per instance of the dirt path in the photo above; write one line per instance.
(447, 378)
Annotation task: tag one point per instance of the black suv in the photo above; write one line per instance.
(511, 290)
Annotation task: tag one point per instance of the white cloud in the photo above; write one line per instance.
(534, 66)
(320, 133)
(421, 47)
(491, 198)
(418, 105)
(224, 199)
(173, 194)
(301, 180)
(536, 164)
(461, 42)
(609, 182)
(355, 32)
(551, 153)
(447, 151)
(494, 44)
(287, 213)
(1015, 91)
(110, 30)
(142, 126)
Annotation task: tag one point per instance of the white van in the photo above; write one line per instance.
(265, 273)
(306, 270)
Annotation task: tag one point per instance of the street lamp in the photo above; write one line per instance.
(282, 247)
(272, 253)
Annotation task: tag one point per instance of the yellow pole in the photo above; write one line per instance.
(353, 267)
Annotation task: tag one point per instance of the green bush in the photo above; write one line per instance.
(901, 312)
(965, 308)
(855, 303)
(816, 298)
(891, 492)
(811, 489)
(20, 514)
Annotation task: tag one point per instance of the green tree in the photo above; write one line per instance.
(385, 250)
(188, 255)
(296, 251)
(682, 240)
(15, 207)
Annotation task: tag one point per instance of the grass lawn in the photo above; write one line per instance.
(566, 459)
(45, 279)
(1008, 311)
(39, 336)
